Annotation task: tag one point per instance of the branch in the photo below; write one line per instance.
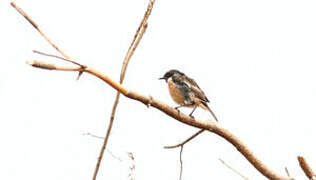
(233, 169)
(306, 168)
(181, 163)
(201, 124)
(138, 36)
(132, 167)
(184, 142)
(32, 22)
(58, 57)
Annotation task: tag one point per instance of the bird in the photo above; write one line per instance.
(186, 92)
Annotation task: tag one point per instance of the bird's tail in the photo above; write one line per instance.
(205, 106)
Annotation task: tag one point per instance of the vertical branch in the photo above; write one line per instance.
(138, 36)
(181, 162)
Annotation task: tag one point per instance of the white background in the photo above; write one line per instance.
(255, 60)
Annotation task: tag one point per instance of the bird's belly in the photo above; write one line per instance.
(175, 93)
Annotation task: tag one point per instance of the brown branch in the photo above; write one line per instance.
(233, 169)
(207, 125)
(138, 36)
(185, 141)
(306, 168)
(32, 22)
(48, 66)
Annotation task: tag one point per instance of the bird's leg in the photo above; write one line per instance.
(192, 112)
(177, 108)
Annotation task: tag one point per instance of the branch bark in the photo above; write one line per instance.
(306, 168)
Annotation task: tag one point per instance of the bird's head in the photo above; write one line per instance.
(171, 73)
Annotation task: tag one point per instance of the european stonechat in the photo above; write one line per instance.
(186, 92)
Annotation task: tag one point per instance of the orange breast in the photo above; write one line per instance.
(175, 93)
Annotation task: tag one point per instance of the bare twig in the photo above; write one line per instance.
(185, 141)
(306, 168)
(181, 162)
(138, 36)
(287, 172)
(233, 169)
(58, 57)
(132, 167)
(48, 66)
(30, 20)
(99, 137)
(92, 135)
(181, 145)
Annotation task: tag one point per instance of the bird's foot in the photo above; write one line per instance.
(177, 108)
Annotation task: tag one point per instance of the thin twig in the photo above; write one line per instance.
(30, 20)
(92, 135)
(132, 167)
(181, 145)
(185, 141)
(99, 137)
(138, 36)
(287, 172)
(58, 57)
(181, 162)
(306, 168)
(233, 169)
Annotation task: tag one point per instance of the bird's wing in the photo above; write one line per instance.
(196, 89)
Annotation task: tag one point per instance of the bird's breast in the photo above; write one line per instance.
(175, 93)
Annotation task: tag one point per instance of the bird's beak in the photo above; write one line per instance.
(163, 78)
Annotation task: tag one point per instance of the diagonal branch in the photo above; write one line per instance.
(138, 36)
(185, 141)
(306, 168)
(32, 22)
(233, 169)
(172, 112)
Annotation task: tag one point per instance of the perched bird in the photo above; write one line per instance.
(186, 92)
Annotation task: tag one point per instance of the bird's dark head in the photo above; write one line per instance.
(171, 73)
